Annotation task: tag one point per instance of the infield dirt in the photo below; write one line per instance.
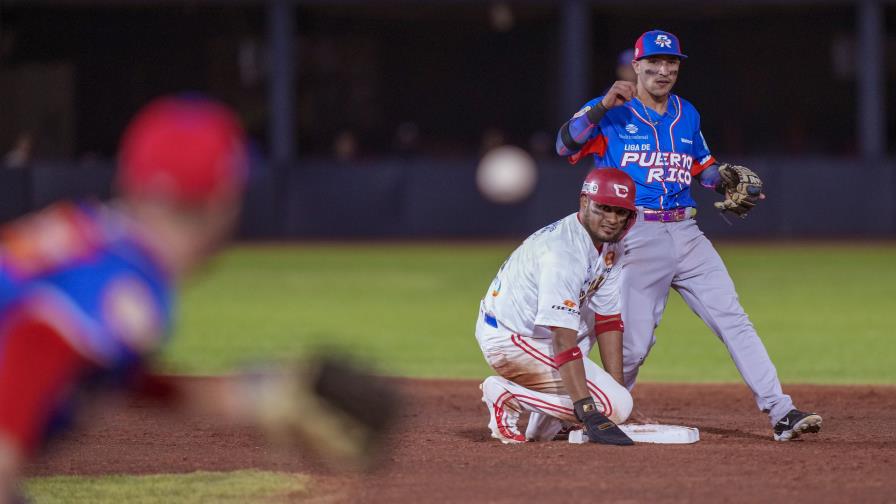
(442, 451)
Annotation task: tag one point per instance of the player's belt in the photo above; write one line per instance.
(490, 320)
(674, 215)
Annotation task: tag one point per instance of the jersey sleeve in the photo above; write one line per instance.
(702, 155)
(558, 292)
(581, 130)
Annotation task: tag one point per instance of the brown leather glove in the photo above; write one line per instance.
(742, 189)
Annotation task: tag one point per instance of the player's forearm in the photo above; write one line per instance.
(710, 177)
(610, 345)
(571, 371)
(573, 135)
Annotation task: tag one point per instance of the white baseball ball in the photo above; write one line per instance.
(506, 175)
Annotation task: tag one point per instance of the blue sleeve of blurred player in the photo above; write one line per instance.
(80, 300)
(581, 129)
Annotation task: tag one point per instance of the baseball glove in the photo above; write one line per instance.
(742, 189)
(329, 405)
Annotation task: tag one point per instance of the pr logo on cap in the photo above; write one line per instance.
(656, 43)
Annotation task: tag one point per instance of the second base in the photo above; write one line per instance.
(649, 433)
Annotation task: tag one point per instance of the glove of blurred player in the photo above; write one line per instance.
(328, 405)
(742, 189)
(599, 428)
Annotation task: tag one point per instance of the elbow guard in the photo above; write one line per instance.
(593, 116)
(568, 141)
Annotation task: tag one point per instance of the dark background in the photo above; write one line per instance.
(397, 101)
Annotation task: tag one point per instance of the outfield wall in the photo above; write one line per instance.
(438, 198)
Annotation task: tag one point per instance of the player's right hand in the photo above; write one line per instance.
(618, 94)
(599, 428)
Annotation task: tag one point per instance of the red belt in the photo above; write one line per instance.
(674, 215)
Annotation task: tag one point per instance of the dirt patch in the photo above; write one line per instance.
(443, 452)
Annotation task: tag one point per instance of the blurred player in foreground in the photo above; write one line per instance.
(86, 295)
(654, 136)
(556, 296)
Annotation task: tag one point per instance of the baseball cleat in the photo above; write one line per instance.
(515, 439)
(501, 421)
(795, 424)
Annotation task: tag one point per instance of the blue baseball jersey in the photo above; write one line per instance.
(662, 153)
(83, 269)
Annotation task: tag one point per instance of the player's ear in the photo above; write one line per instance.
(583, 203)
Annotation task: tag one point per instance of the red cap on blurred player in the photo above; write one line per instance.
(609, 186)
(185, 150)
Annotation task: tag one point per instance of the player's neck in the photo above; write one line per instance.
(657, 103)
(174, 249)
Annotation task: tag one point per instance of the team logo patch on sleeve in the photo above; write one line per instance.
(582, 112)
(568, 306)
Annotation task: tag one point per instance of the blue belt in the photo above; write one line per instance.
(490, 320)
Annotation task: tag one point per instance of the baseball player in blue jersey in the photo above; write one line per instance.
(86, 295)
(655, 137)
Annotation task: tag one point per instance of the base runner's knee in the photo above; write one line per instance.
(622, 403)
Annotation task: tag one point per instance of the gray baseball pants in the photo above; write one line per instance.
(661, 255)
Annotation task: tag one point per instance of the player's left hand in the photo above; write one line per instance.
(742, 189)
(599, 428)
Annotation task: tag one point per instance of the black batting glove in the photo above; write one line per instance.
(599, 428)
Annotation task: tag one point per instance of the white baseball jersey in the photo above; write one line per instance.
(558, 278)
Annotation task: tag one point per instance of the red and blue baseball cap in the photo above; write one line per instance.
(656, 43)
(186, 149)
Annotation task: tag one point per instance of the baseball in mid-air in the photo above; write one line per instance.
(506, 175)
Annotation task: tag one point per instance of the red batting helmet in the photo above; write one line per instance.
(611, 187)
(188, 150)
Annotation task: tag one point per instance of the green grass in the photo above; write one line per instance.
(823, 311)
(198, 487)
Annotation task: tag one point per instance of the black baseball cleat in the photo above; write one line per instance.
(795, 424)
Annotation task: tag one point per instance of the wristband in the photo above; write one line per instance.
(584, 407)
(574, 353)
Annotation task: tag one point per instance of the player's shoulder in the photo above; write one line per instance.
(48, 240)
(564, 245)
